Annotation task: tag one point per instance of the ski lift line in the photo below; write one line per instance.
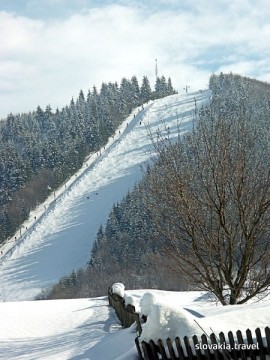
(19, 236)
(23, 237)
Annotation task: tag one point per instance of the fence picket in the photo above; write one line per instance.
(250, 342)
(233, 352)
(267, 336)
(154, 350)
(197, 351)
(217, 353)
(162, 350)
(260, 343)
(179, 348)
(137, 342)
(188, 348)
(241, 341)
(206, 351)
(146, 352)
(225, 352)
(171, 349)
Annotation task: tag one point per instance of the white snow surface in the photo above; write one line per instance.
(58, 235)
(58, 239)
(63, 329)
(88, 329)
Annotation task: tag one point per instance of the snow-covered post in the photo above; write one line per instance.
(116, 299)
(123, 306)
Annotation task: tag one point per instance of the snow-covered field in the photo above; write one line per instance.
(58, 236)
(88, 329)
(61, 329)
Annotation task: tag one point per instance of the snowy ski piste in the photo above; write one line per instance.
(59, 234)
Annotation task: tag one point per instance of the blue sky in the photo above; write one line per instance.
(50, 49)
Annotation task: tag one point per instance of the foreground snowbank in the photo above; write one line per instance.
(88, 329)
(63, 329)
(172, 314)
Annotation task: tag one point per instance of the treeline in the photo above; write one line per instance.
(133, 246)
(41, 149)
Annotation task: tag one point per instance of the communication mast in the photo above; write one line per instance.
(156, 70)
(186, 88)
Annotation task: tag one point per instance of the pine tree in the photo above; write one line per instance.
(170, 89)
(145, 90)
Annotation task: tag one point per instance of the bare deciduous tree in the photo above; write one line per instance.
(211, 201)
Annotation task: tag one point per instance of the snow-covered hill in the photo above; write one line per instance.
(58, 239)
(58, 236)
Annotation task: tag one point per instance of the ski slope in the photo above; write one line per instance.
(58, 235)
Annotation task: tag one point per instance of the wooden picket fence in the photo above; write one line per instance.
(125, 313)
(246, 347)
(229, 347)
